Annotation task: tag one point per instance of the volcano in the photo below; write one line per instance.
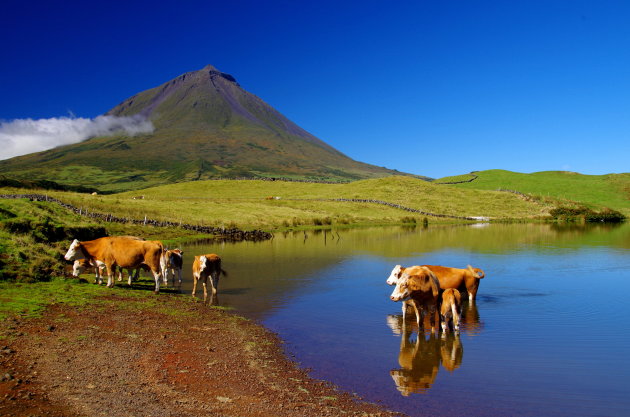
(206, 126)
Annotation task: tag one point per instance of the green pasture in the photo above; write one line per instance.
(271, 205)
(593, 191)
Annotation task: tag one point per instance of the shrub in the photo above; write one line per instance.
(572, 213)
(606, 215)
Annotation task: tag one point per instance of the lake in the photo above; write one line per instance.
(548, 334)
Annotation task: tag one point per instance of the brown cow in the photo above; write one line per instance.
(461, 279)
(205, 266)
(423, 290)
(450, 310)
(121, 251)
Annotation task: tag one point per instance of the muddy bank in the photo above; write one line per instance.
(165, 356)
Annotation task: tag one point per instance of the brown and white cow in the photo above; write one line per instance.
(172, 262)
(81, 265)
(422, 289)
(205, 266)
(458, 278)
(450, 310)
(395, 275)
(119, 251)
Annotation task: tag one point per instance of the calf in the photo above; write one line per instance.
(422, 289)
(80, 265)
(450, 310)
(171, 262)
(205, 266)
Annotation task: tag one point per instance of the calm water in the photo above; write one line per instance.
(548, 334)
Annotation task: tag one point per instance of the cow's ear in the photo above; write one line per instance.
(414, 282)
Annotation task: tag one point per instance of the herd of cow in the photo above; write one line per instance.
(132, 253)
(426, 288)
(429, 288)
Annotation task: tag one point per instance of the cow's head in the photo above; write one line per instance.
(394, 276)
(77, 268)
(75, 251)
(423, 280)
(402, 290)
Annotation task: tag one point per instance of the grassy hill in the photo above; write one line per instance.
(247, 203)
(593, 191)
(206, 126)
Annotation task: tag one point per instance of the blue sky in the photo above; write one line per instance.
(434, 88)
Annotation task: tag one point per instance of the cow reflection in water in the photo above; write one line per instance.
(420, 359)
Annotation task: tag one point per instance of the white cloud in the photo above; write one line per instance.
(23, 136)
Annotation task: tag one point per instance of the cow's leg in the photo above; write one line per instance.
(432, 311)
(443, 323)
(418, 312)
(471, 288)
(179, 276)
(97, 276)
(205, 289)
(111, 270)
(195, 279)
(165, 272)
(157, 275)
(404, 310)
(455, 317)
(132, 273)
(214, 281)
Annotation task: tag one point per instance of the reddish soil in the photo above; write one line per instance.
(173, 358)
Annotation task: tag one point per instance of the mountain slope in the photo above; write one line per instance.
(206, 126)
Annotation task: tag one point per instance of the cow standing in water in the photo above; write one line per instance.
(205, 266)
(422, 291)
(122, 251)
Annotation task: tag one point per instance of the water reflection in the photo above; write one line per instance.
(420, 358)
(471, 323)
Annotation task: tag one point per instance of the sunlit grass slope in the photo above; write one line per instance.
(247, 204)
(594, 191)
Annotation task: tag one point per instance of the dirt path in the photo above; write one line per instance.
(172, 358)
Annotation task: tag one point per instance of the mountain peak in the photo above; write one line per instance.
(213, 72)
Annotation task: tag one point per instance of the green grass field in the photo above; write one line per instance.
(593, 191)
(247, 204)
(34, 235)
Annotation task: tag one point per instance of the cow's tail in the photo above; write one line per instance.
(477, 273)
(224, 272)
